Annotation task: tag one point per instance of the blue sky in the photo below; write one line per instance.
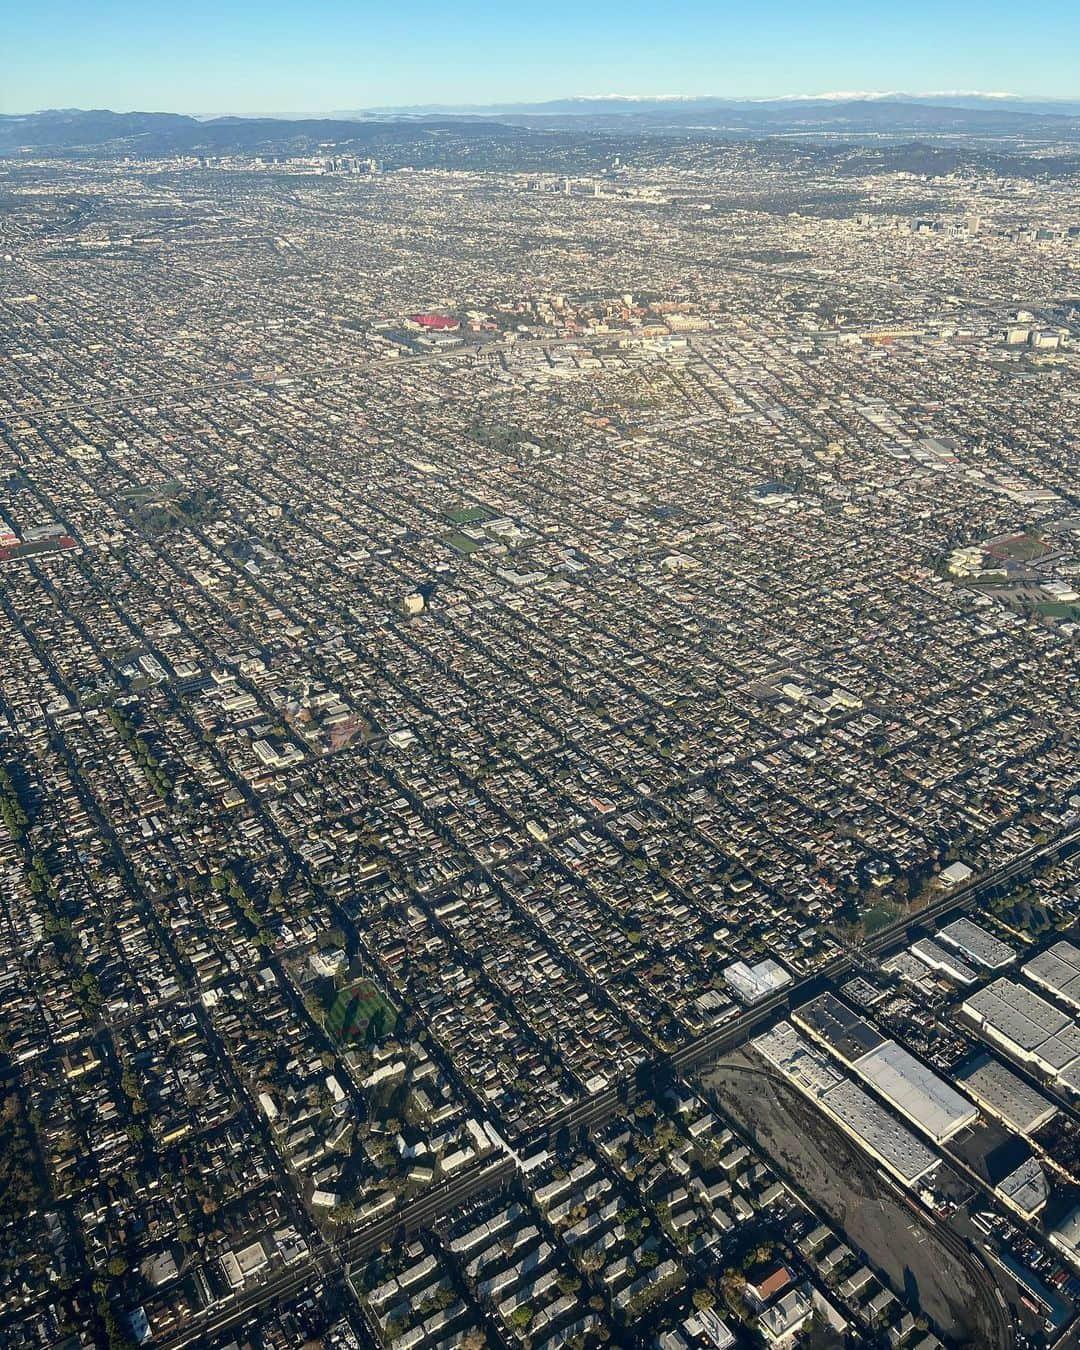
(272, 56)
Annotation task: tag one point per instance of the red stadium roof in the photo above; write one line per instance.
(434, 320)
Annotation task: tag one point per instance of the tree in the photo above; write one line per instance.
(376, 1026)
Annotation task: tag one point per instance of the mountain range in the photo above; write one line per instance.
(1017, 124)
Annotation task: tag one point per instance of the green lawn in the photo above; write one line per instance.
(1021, 548)
(880, 916)
(463, 543)
(1058, 609)
(468, 515)
(350, 1013)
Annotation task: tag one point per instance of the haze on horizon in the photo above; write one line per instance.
(244, 58)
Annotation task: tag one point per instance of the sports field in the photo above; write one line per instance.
(468, 515)
(353, 1010)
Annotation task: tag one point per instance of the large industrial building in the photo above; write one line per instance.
(830, 1020)
(1005, 1095)
(1029, 1028)
(943, 962)
(902, 1080)
(753, 983)
(978, 945)
(855, 1111)
(1058, 970)
(917, 1092)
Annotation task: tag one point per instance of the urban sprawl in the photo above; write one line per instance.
(538, 756)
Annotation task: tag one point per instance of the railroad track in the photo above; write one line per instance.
(331, 1259)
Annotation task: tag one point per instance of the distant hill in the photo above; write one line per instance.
(890, 113)
(851, 136)
(158, 134)
(71, 128)
(829, 117)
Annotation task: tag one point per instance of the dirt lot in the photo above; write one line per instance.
(933, 1273)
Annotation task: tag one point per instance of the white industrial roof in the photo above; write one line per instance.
(1022, 1015)
(1058, 969)
(753, 983)
(934, 955)
(881, 1133)
(975, 942)
(853, 1108)
(1006, 1095)
(916, 1091)
(796, 1057)
(1027, 1024)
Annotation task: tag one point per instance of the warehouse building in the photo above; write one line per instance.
(797, 1059)
(1065, 1235)
(1005, 1095)
(917, 1092)
(974, 942)
(1025, 1189)
(911, 971)
(904, 1081)
(753, 983)
(841, 1030)
(943, 962)
(1058, 970)
(880, 1134)
(1029, 1028)
(877, 1132)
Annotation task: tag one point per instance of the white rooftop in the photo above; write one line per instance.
(1027, 1025)
(1005, 1094)
(753, 983)
(916, 1091)
(975, 942)
(894, 1143)
(1058, 969)
(853, 1108)
(934, 955)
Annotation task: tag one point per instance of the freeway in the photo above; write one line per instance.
(330, 1259)
(590, 1112)
(428, 1208)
